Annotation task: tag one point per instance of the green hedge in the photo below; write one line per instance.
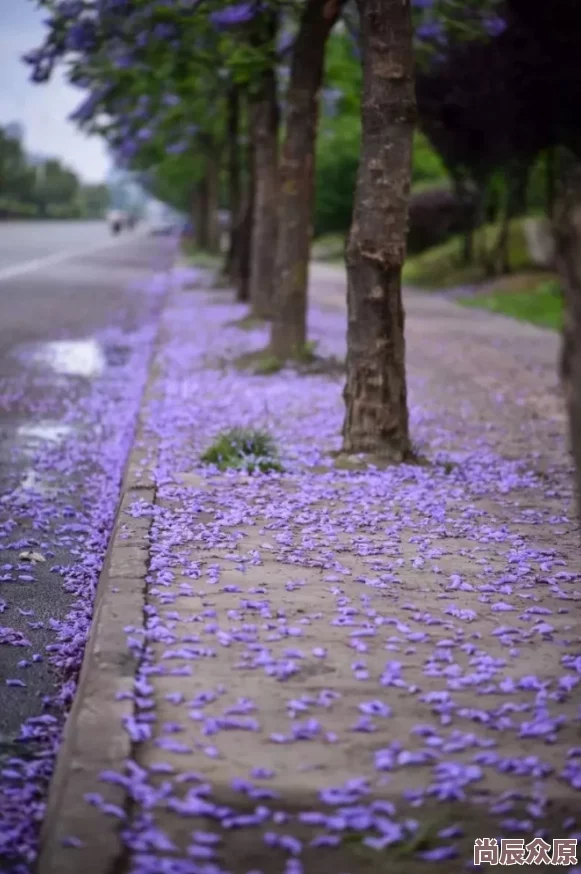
(13, 209)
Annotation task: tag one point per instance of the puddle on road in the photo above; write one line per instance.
(72, 357)
(18, 453)
(31, 482)
(54, 432)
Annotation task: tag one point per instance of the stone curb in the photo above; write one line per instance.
(94, 739)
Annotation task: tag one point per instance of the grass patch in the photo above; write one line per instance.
(306, 354)
(540, 303)
(262, 362)
(265, 362)
(425, 838)
(268, 364)
(200, 258)
(243, 449)
(305, 361)
(442, 267)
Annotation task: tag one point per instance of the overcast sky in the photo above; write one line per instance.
(42, 109)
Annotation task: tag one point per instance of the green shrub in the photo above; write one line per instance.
(442, 267)
(243, 449)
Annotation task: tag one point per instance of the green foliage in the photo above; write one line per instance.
(337, 162)
(94, 200)
(440, 23)
(46, 190)
(15, 209)
(538, 188)
(267, 365)
(428, 168)
(541, 303)
(56, 187)
(243, 449)
(339, 138)
(160, 101)
(442, 266)
(198, 258)
(16, 175)
(173, 178)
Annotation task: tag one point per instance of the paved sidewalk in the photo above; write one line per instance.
(337, 669)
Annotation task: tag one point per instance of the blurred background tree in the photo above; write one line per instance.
(43, 188)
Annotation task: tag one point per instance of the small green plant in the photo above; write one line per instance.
(425, 838)
(306, 353)
(267, 365)
(261, 362)
(243, 449)
(199, 257)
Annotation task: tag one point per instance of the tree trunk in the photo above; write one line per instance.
(516, 183)
(232, 266)
(213, 194)
(483, 187)
(550, 181)
(289, 328)
(376, 418)
(245, 232)
(264, 131)
(201, 218)
(468, 246)
(499, 262)
(191, 234)
(463, 196)
(567, 231)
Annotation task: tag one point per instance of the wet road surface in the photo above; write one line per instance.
(72, 335)
(32, 245)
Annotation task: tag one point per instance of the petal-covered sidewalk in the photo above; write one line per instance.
(344, 668)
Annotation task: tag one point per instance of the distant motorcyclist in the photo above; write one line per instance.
(116, 221)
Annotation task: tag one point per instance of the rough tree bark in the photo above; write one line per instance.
(264, 123)
(289, 327)
(376, 418)
(567, 231)
(232, 265)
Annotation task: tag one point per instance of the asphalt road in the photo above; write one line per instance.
(72, 302)
(25, 244)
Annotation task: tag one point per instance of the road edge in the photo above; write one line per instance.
(94, 739)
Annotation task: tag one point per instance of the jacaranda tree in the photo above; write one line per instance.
(160, 72)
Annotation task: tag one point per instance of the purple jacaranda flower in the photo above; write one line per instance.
(438, 854)
(430, 31)
(494, 25)
(237, 13)
(375, 708)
